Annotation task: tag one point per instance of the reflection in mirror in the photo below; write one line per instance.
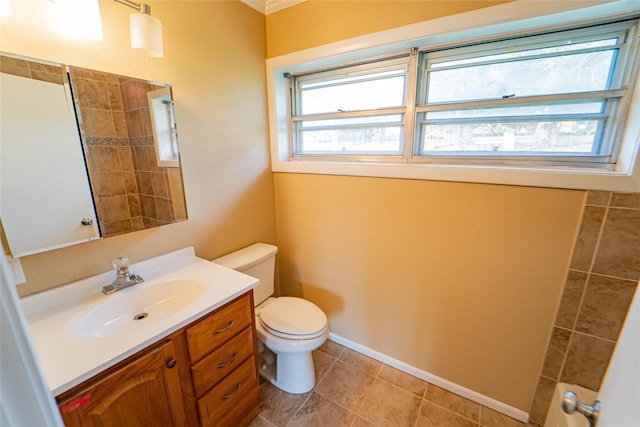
(45, 198)
(120, 131)
(164, 126)
(133, 188)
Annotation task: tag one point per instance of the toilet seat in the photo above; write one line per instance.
(293, 318)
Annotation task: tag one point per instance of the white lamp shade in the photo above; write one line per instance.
(146, 33)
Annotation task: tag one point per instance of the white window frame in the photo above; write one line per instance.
(616, 98)
(506, 20)
(370, 67)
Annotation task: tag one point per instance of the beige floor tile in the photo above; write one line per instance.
(434, 416)
(491, 418)
(453, 402)
(347, 395)
(277, 406)
(332, 348)
(260, 422)
(387, 405)
(322, 362)
(361, 362)
(345, 385)
(318, 411)
(361, 422)
(403, 380)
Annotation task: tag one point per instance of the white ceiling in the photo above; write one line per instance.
(270, 6)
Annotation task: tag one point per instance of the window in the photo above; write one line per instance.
(556, 100)
(352, 110)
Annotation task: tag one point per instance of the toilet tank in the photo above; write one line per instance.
(257, 260)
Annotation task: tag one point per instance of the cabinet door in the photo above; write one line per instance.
(144, 392)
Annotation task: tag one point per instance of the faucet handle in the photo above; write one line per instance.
(121, 264)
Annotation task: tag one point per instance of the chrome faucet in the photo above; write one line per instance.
(124, 279)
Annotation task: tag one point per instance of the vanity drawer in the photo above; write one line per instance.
(223, 324)
(210, 370)
(229, 402)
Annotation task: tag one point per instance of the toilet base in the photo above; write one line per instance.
(290, 372)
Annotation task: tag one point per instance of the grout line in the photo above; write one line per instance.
(266, 420)
(399, 388)
(335, 359)
(415, 423)
(300, 407)
(597, 337)
(613, 277)
(600, 232)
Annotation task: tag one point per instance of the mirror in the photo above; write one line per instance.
(133, 186)
(118, 134)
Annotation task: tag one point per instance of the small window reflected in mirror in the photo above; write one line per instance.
(164, 127)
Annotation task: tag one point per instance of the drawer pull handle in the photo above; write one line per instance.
(226, 328)
(228, 362)
(233, 393)
(171, 363)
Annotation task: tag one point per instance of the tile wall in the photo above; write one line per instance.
(602, 279)
(130, 191)
(52, 73)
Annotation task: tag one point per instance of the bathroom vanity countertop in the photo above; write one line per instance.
(70, 351)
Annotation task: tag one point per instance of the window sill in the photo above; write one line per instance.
(573, 179)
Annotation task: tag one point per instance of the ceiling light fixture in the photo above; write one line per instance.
(146, 31)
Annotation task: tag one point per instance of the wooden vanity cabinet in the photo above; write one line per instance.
(205, 374)
(145, 391)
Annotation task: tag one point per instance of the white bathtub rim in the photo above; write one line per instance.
(556, 416)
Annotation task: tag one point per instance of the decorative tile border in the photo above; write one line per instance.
(110, 141)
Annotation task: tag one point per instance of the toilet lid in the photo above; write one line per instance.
(293, 316)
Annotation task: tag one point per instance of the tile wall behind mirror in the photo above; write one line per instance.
(128, 148)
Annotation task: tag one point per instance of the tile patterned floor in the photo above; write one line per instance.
(353, 390)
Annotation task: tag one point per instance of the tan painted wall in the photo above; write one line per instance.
(317, 22)
(460, 280)
(214, 58)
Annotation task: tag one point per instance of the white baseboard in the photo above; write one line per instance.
(487, 401)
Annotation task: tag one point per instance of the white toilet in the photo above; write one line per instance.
(288, 328)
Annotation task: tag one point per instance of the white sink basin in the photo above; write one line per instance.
(78, 331)
(130, 307)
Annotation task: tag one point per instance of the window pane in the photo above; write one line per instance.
(504, 138)
(351, 121)
(359, 135)
(530, 110)
(314, 83)
(348, 95)
(557, 74)
(568, 47)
